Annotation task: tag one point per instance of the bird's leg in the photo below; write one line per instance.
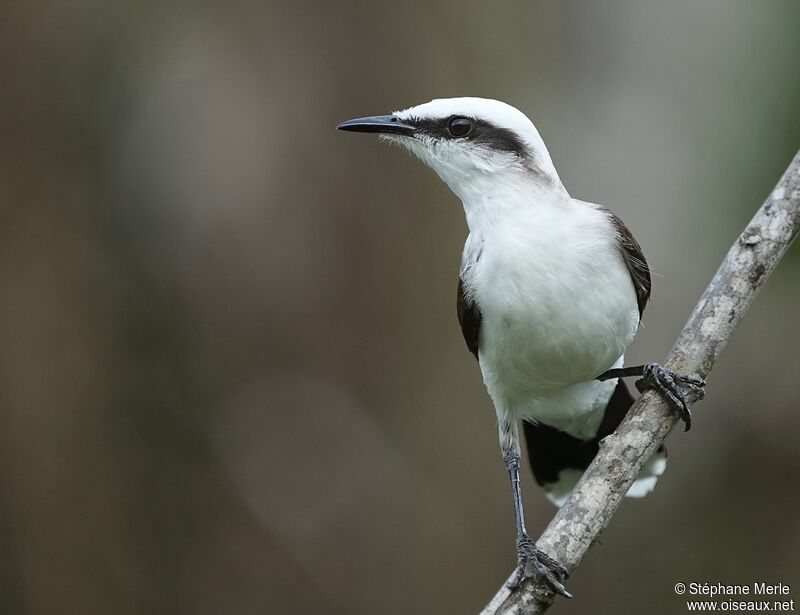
(670, 385)
(530, 560)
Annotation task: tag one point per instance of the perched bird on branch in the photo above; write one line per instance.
(550, 294)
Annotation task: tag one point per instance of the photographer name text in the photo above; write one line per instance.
(724, 589)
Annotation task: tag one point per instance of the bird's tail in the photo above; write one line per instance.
(558, 459)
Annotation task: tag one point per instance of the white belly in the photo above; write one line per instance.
(558, 309)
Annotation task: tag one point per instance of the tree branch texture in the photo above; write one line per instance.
(599, 493)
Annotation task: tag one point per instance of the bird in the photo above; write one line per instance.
(551, 291)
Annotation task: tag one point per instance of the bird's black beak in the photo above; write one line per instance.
(381, 124)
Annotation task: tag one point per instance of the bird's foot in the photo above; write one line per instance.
(533, 562)
(673, 387)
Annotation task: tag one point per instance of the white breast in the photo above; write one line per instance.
(558, 307)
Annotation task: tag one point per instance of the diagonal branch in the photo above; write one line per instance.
(597, 496)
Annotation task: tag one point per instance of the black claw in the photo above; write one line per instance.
(669, 385)
(554, 565)
(533, 562)
(686, 417)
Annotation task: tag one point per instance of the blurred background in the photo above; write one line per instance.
(232, 380)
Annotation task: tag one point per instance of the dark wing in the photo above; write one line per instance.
(635, 261)
(469, 317)
(550, 451)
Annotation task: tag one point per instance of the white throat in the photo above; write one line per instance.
(507, 198)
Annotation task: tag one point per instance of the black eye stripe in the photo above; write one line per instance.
(482, 132)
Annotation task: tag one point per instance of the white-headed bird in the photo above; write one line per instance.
(550, 294)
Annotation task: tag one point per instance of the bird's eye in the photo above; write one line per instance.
(459, 126)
